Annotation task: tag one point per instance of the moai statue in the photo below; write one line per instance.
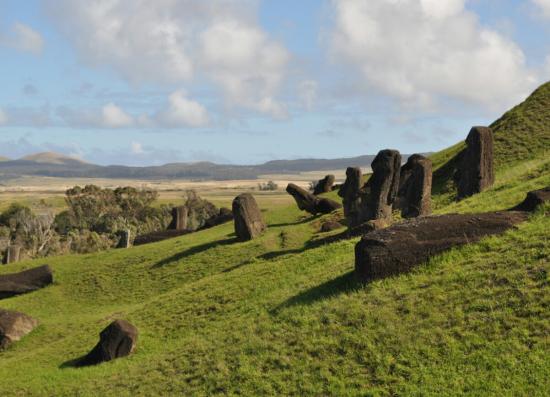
(125, 239)
(350, 192)
(381, 188)
(247, 217)
(324, 185)
(414, 197)
(476, 171)
(179, 218)
(13, 253)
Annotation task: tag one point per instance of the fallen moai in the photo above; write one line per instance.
(414, 196)
(25, 281)
(533, 200)
(248, 220)
(118, 340)
(324, 185)
(403, 246)
(14, 326)
(476, 171)
(311, 203)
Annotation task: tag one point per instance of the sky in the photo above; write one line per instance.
(140, 82)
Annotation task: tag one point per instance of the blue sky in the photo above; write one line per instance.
(245, 81)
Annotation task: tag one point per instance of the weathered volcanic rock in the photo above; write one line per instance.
(311, 203)
(476, 173)
(414, 197)
(403, 246)
(118, 340)
(14, 326)
(350, 192)
(329, 226)
(25, 281)
(381, 188)
(534, 199)
(179, 218)
(247, 216)
(224, 215)
(324, 185)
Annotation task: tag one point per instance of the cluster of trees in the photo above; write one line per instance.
(269, 186)
(93, 221)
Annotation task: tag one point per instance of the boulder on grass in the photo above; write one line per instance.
(14, 326)
(311, 203)
(247, 216)
(118, 340)
(25, 281)
(476, 171)
(324, 185)
(534, 199)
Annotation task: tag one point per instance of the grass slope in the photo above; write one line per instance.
(279, 316)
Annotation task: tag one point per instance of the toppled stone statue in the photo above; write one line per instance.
(476, 171)
(118, 340)
(248, 220)
(324, 185)
(25, 281)
(414, 196)
(311, 203)
(403, 246)
(14, 326)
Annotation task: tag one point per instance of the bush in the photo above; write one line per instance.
(269, 186)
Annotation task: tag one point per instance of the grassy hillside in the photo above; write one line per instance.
(282, 315)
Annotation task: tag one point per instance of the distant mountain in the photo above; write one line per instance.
(57, 165)
(51, 158)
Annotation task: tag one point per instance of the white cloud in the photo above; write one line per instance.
(175, 41)
(544, 6)
(3, 117)
(24, 38)
(307, 91)
(137, 148)
(183, 112)
(114, 117)
(422, 51)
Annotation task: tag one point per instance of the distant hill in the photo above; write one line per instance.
(57, 165)
(52, 158)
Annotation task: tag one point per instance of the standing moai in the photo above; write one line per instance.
(476, 171)
(414, 197)
(324, 185)
(125, 239)
(12, 254)
(247, 217)
(350, 191)
(179, 218)
(381, 188)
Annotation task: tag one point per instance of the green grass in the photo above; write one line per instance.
(283, 314)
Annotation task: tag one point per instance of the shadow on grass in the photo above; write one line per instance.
(300, 222)
(73, 363)
(194, 250)
(345, 283)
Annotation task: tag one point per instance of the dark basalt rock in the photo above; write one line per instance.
(403, 246)
(476, 171)
(381, 189)
(350, 192)
(311, 203)
(414, 196)
(25, 281)
(324, 185)
(14, 326)
(533, 200)
(118, 340)
(248, 219)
